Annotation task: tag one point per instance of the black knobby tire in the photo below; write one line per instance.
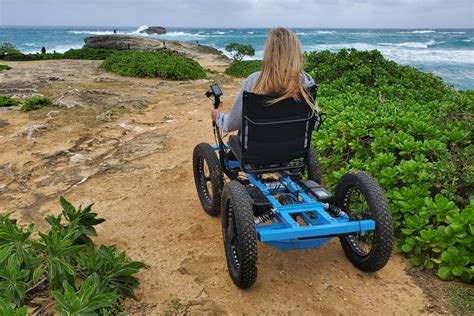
(313, 166)
(239, 234)
(380, 240)
(209, 186)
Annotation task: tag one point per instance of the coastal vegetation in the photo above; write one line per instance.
(148, 64)
(81, 53)
(159, 63)
(7, 101)
(4, 67)
(35, 102)
(239, 51)
(62, 269)
(242, 69)
(411, 132)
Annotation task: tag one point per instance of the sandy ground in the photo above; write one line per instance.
(127, 146)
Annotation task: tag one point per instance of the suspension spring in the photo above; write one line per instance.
(268, 215)
(333, 210)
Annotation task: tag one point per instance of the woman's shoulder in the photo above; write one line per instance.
(254, 76)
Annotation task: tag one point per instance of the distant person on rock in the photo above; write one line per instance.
(164, 44)
(282, 74)
(115, 31)
(43, 50)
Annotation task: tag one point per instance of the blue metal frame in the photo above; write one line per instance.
(318, 226)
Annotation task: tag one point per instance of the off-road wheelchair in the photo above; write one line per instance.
(266, 182)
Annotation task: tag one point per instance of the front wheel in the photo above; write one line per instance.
(208, 178)
(239, 234)
(360, 196)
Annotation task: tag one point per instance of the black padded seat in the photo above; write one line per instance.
(272, 135)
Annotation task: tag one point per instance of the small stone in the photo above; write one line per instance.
(54, 78)
(68, 104)
(104, 117)
(50, 114)
(76, 158)
(139, 104)
(31, 130)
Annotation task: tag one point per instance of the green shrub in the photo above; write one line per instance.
(35, 102)
(238, 51)
(242, 69)
(81, 279)
(147, 64)
(89, 53)
(4, 67)
(86, 301)
(8, 49)
(7, 101)
(81, 53)
(411, 132)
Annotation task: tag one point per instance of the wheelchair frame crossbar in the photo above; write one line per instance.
(316, 226)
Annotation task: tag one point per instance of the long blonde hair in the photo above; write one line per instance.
(282, 67)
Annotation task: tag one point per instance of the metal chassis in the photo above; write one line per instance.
(284, 233)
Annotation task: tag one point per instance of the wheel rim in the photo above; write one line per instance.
(231, 236)
(356, 206)
(204, 176)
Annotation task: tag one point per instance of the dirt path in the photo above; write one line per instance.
(127, 146)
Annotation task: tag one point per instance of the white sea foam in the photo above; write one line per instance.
(447, 32)
(406, 55)
(418, 32)
(250, 32)
(325, 32)
(57, 48)
(411, 44)
(219, 33)
(180, 33)
(140, 30)
(469, 40)
(92, 32)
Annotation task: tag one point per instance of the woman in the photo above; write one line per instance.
(282, 74)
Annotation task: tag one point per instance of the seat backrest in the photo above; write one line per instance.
(275, 133)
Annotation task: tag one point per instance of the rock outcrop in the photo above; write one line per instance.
(154, 30)
(122, 42)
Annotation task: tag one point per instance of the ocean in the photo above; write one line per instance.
(448, 53)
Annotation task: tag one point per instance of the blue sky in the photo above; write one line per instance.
(241, 13)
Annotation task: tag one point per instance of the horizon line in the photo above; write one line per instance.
(249, 27)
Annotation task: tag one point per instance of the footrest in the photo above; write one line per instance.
(259, 201)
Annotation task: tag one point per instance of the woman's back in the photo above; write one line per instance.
(282, 75)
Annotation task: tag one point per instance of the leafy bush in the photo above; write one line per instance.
(4, 67)
(81, 279)
(35, 102)
(147, 64)
(8, 49)
(238, 51)
(81, 53)
(87, 300)
(243, 69)
(7, 101)
(412, 132)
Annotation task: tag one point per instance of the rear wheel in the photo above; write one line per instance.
(239, 234)
(313, 166)
(208, 178)
(360, 196)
